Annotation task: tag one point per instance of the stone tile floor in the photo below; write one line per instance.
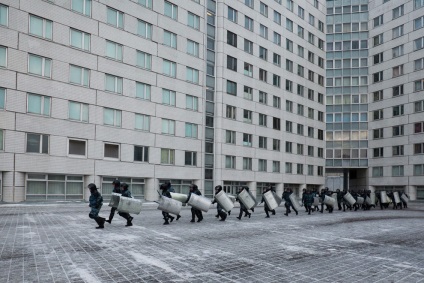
(58, 243)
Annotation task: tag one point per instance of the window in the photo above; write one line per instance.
(300, 70)
(192, 75)
(311, 76)
(115, 18)
(4, 15)
(190, 130)
(300, 51)
(300, 129)
(311, 20)
(263, 31)
(289, 166)
(419, 64)
(141, 153)
(144, 29)
(418, 106)
(276, 102)
(79, 75)
(143, 91)
(378, 21)
(378, 58)
(171, 10)
(397, 71)
(231, 38)
(397, 12)
(310, 150)
(113, 50)
(3, 56)
(263, 142)
(398, 130)
(247, 140)
(418, 148)
(378, 114)
(289, 65)
(397, 51)
(192, 48)
(37, 143)
(80, 39)
(230, 162)
(168, 127)
(249, 3)
(40, 66)
(169, 68)
(289, 5)
(378, 39)
(248, 46)
(419, 23)
(419, 85)
(263, 9)
(289, 86)
(276, 123)
(310, 170)
(142, 122)
(263, 97)
(262, 120)
(231, 112)
(78, 111)
(418, 4)
(112, 117)
(418, 127)
(247, 116)
(38, 104)
(299, 149)
(377, 77)
(378, 133)
(300, 12)
(2, 98)
(170, 39)
(299, 169)
(262, 165)
(300, 32)
(232, 14)
(378, 95)
(377, 171)
(277, 17)
(230, 137)
(247, 163)
(113, 84)
(231, 63)
(40, 27)
(248, 69)
(263, 75)
(289, 45)
(263, 53)
(231, 87)
(289, 126)
(321, 26)
(248, 23)
(378, 152)
(77, 147)
(418, 169)
(144, 60)
(193, 21)
(190, 158)
(146, 3)
(310, 113)
(289, 106)
(82, 7)
(289, 25)
(397, 150)
(167, 156)
(397, 171)
(397, 31)
(275, 144)
(191, 102)
(300, 109)
(419, 43)
(397, 90)
(168, 97)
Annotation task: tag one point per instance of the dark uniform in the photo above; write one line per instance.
(172, 190)
(220, 211)
(266, 208)
(117, 190)
(194, 211)
(405, 204)
(325, 192)
(126, 193)
(96, 202)
(303, 199)
(288, 203)
(309, 200)
(166, 215)
(242, 207)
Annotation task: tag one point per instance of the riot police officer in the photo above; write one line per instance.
(242, 207)
(117, 190)
(220, 211)
(126, 193)
(194, 211)
(266, 208)
(166, 193)
(288, 203)
(96, 202)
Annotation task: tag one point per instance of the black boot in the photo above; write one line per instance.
(172, 218)
(273, 212)
(223, 216)
(101, 222)
(129, 221)
(178, 217)
(229, 212)
(166, 222)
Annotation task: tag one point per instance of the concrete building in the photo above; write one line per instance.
(209, 92)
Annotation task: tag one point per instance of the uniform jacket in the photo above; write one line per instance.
(96, 200)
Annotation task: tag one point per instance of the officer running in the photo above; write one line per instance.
(126, 193)
(96, 202)
(117, 190)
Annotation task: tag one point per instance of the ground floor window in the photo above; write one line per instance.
(378, 189)
(179, 186)
(231, 187)
(420, 192)
(135, 185)
(54, 187)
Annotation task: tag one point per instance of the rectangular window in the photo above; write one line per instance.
(377, 171)
(263, 142)
(144, 29)
(397, 31)
(289, 126)
(247, 163)
(115, 18)
(146, 3)
(144, 60)
(419, 64)
(418, 106)
(397, 171)
(310, 170)
(193, 21)
(2, 98)
(3, 56)
(143, 91)
(311, 38)
(419, 85)
(113, 84)
(289, 45)
(4, 15)
(248, 69)
(276, 102)
(289, 106)
(289, 86)
(289, 147)
(112, 117)
(38, 104)
(247, 140)
(248, 46)
(418, 127)
(37, 143)
(247, 116)
(419, 43)
(191, 102)
(300, 71)
(263, 75)
(378, 133)
(231, 88)
(230, 162)
(289, 166)
(276, 123)
(311, 20)
(248, 23)
(320, 135)
(262, 120)
(190, 130)
(192, 75)
(263, 53)
(190, 158)
(142, 122)
(262, 165)
(398, 130)
(167, 156)
(378, 152)
(378, 39)
(299, 169)
(419, 22)
(289, 65)
(277, 38)
(170, 39)
(397, 150)
(377, 77)
(397, 51)
(231, 63)
(230, 137)
(77, 147)
(192, 48)
(398, 11)
(79, 75)
(169, 68)
(80, 39)
(299, 149)
(289, 5)
(300, 32)
(397, 71)
(289, 25)
(310, 150)
(168, 127)
(263, 9)
(249, 3)
(113, 50)
(275, 144)
(419, 148)
(418, 169)
(40, 66)
(168, 97)
(171, 10)
(231, 112)
(378, 21)
(141, 153)
(40, 27)
(78, 111)
(82, 7)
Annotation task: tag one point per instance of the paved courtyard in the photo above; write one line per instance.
(58, 243)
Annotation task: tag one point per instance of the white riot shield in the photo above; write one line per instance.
(334, 196)
(169, 205)
(129, 205)
(224, 201)
(368, 201)
(329, 201)
(397, 198)
(404, 198)
(316, 201)
(253, 197)
(360, 200)
(246, 199)
(114, 200)
(277, 198)
(270, 200)
(349, 198)
(232, 198)
(372, 196)
(199, 202)
(295, 202)
(179, 197)
(383, 197)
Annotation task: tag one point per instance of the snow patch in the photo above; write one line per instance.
(166, 235)
(299, 249)
(118, 237)
(30, 218)
(86, 275)
(144, 259)
(356, 240)
(403, 265)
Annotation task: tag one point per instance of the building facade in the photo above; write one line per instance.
(206, 92)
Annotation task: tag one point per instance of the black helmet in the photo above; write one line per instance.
(116, 182)
(92, 186)
(124, 186)
(193, 186)
(218, 188)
